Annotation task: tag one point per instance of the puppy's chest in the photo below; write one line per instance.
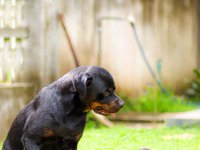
(72, 124)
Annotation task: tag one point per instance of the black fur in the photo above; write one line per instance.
(56, 118)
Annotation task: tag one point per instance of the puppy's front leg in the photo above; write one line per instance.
(30, 143)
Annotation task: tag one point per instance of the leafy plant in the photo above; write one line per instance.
(194, 90)
(154, 100)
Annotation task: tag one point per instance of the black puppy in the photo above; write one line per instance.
(56, 118)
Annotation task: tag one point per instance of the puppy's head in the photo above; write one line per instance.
(96, 89)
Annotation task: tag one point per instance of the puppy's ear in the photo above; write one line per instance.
(66, 87)
(82, 85)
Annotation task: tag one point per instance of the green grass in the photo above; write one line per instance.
(122, 138)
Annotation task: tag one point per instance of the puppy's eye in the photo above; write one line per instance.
(108, 92)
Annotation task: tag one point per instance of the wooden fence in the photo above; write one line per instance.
(168, 30)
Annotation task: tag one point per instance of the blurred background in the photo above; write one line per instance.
(157, 74)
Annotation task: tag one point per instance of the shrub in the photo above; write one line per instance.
(154, 100)
(194, 90)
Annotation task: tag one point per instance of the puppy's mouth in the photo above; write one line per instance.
(101, 111)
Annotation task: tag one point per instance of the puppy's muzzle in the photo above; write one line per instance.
(118, 101)
(108, 106)
(116, 104)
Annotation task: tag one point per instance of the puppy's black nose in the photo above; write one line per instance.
(119, 102)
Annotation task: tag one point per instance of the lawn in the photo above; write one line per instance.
(123, 138)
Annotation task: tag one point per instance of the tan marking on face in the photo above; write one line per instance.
(48, 133)
(93, 105)
(96, 104)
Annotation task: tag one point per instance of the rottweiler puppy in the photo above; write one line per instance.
(56, 117)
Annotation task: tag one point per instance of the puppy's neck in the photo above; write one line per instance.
(79, 106)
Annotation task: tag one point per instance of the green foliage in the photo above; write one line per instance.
(123, 138)
(194, 91)
(154, 100)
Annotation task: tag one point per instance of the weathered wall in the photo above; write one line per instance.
(167, 29)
